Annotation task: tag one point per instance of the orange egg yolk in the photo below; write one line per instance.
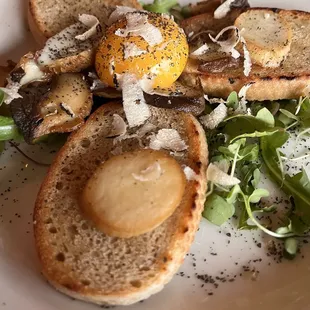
(160, 64)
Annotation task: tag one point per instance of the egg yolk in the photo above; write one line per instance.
(160, 64)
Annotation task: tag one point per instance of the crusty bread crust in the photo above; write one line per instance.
(122, 285)
(49, 17)
(290, 80)
(33, 26)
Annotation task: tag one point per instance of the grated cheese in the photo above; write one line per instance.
(118, 13)
(229, 45)
(119, 126)
(11, 91)
(138, 25)
(91, 22)
(223, 9)
(217, 176)
(132, 50)
(212, 120)
(247, 58)
(190, 174)
(32, 73)
(168, 139)
(201, 50)
(135, 107)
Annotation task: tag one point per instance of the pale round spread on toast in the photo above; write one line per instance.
(133, 193)
(268, 36)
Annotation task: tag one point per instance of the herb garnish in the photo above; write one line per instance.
(250, 145)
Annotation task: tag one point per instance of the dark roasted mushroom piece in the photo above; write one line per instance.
(55, 106)
(178, 97)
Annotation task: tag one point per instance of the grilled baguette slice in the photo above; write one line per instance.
(86, 264)
(290, 80)
(48, 17)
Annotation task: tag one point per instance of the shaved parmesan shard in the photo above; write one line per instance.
(132, 50)
(138, 25)
(223, 165)
(247, 58)
(214, 100)
(223, 9)
(242, 109)
(32, 73)
(151, 173)
(212, 120)
(140, 133)
(229, 45)
(190, 174)
(119, 126)
(146, 128)
(168, 139)
(91, 22)
(135, 107)
(118, 150)
(11, 91)
(217, 176)
(118, 13)
(201, 50)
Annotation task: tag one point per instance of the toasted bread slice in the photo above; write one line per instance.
(268, 36)
(48, 17)
(86, 264)
(220, 74)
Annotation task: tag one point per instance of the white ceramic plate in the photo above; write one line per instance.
(225, 269)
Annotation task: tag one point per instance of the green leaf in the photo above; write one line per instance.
(160, 6)
(247, 175)
(289, 114)
(249, 152)
(265, 115)
(297, 186)
(2, 95)
(217, 210)
(233, 100)
(232, 148)
(233, 194)
(8, 129)
(258, 194)
(256, 134)
(256, 178)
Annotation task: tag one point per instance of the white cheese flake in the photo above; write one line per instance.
(11, 91)
(119, 13)
(247, 58)
(168, 139)
(229, 45)
(135, 107)
(118, 150)
(132, 50)
(212, 120)
(201, 50)
(214, 100)
(138, 25)
(217, 176)
(223, 9)
(119, 127)
(91, 22)
(242, 109)
(151, 173)
(190, 174)
(32, 73)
